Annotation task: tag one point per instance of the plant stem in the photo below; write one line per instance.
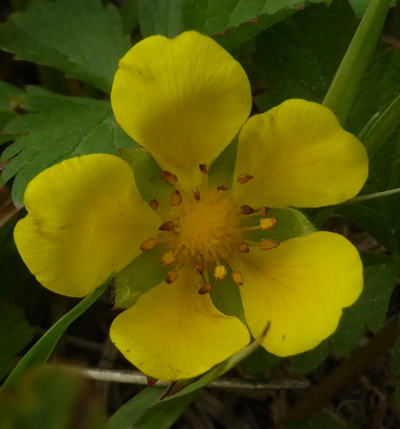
(343, 90)
(135, 377)
(367, 197)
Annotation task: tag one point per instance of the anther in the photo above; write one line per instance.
(263, 211)
(203, 169)
(171, 277)
(246, 210)
(149, 244)
(176, 198)
(167, 226)
(220, 272)
(267, 223)
(222, 187)
(154, 204)
(205, 288)
(196, 194)
(169, 177)
(268, 244)
(200, 266)
(237, 278)
(244, 178)
(243, 247)
(168, 258)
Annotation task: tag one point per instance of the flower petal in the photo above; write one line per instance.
(172, 332)
(299, 156)
(85, 220)
(301, 287)
(183, 99)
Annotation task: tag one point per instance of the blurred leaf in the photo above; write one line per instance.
(233, 22)
(41, 351)
(78, 37)
(57, 127)
(345, 85)
(299, 57)
(49, 399)
(318, 421)
(368, 312)
(15, 334)
(145, 411)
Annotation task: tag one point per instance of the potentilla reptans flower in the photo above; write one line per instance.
(184, 100)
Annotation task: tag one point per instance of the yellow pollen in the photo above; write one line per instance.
(208, 226)
(220, 272)
(168, 258)
(267, 223)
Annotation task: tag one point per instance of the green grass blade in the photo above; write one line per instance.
(41, 351)
(343, 90)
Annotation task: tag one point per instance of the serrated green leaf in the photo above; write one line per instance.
(233, 22)
(78, 37)
(299, 57)
(41, 351)
(57, 127)
(10, 98)
(146, 411)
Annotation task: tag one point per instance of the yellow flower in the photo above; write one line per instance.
(184, 100)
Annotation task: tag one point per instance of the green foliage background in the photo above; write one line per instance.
(290, 49)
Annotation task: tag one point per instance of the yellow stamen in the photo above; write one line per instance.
(168, 258)
(205, 288)
(200, 266)
(246, 210)
(267, 223)
(243, 247)
(167, 226)
(196, 194)
(171, 277)
(263, 211)
(149, 244)
(176, 198)
(244, 178)
(169, 177)
(220, 272)
(237, 278)
(268, 244)
(154, 204)
(203, 169)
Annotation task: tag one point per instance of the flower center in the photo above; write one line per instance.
(204, 228)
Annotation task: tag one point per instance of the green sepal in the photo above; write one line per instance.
(142, 274)
(290, 223)
(148, 176)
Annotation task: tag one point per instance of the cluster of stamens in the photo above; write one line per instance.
(204, 228)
